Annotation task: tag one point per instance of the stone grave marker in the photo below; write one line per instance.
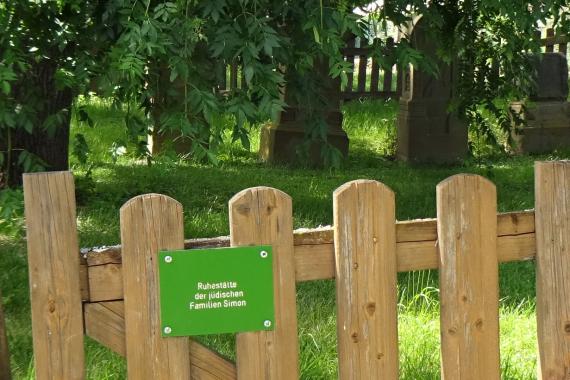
(283, 136)
(427, 132)
(547, 116)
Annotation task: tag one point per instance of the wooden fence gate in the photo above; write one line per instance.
(117, 305)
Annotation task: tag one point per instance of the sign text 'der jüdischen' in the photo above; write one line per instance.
(220, 290)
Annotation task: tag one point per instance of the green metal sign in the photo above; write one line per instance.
(220, 290)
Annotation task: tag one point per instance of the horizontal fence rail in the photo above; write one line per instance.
(116, 304)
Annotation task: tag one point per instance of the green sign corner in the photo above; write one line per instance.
(219, 290)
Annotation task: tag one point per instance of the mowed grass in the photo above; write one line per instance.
(204, 191)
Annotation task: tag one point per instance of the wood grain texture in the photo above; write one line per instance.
(150, 223)
(316, 262)
(468, 278)
(263, 215)
(105, 282)
(365, 252)
(552, 201)
(5, 373)
(106, 325)
(53, 262)
(84, 282)
(104, 322)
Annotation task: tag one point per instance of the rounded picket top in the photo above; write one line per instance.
(466, 179)
(147, 199)
(359, 185)
(259, 198)
(252, 191)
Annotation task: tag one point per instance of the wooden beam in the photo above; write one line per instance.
(105, 322)
(314, 252)
(509, 223)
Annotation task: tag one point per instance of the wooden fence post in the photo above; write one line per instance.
(365, 252)
(53, 261)
(4, 353)
(150, 223)
(263, 215)
(468, 278)
(552, 220)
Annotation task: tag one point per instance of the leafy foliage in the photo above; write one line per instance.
(493, 43)
(11, 213)
(165, 61)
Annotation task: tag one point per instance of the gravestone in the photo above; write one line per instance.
(427, 132)
(544, 124)
(285, 134)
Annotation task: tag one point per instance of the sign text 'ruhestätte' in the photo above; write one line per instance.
(219, 290)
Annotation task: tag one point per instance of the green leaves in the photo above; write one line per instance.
(12, 212)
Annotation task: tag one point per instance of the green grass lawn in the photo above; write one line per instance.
(204, 191)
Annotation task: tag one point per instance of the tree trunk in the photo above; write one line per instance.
(51, 148)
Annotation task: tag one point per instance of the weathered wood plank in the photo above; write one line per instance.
(104, 322)
(150, 223)
(552, 198)
(263, 215)
(105, 282)
(53, 262)
(84, 282)
(316, 261)
(105, 325)
(209, 365)
(5, 373)
(509, 223)
(468, 278)
(365, 252)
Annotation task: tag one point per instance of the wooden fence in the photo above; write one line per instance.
(552, 43)
(117, 304)
(368, 80)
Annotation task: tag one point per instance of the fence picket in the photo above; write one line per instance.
(374, 76)
(150, 223)
(351, 43)
(467, 233)
(57, 323)
(263, 215)
(365, 252)
(4, 353)
(549, 37)
(362, 65)
(552, 192)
